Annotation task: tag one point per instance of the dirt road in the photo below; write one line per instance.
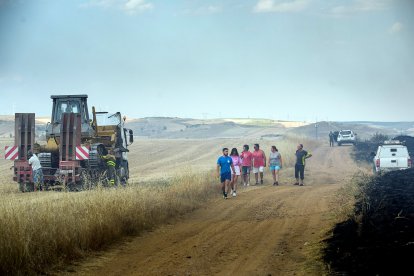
(265, 230)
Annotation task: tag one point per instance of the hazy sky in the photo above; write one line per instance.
(289, 59)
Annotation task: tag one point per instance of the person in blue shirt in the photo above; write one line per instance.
(224, 168)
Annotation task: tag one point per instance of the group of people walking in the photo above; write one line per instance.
(229, 168)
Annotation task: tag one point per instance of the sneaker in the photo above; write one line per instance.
(301, 184)
(296, 183)
(248, 184)
(257, 183)
(234, 193)
(261, 181)
(225, 196)
(274, 184)
(277, 183)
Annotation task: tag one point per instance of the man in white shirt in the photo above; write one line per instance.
(37, 170)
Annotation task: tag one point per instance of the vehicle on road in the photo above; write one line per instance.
(346, 137)
(392, 155)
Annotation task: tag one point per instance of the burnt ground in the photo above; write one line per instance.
(379, 238)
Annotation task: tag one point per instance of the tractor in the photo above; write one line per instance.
(77, 150)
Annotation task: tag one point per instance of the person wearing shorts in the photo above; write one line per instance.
(235, 175)
(224, 169)
(275, 164)
(301, 156)
(259, 162)
(246, 157)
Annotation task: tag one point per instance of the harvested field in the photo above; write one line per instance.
(154, 159)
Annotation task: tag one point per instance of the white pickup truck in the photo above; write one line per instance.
(392, 155)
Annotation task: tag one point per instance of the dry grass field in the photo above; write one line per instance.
(168, 177)
(155, 159)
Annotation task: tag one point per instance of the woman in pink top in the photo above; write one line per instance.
(234, 176)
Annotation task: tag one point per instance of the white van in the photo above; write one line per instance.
(392, 155)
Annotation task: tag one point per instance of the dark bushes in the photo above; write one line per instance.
(363, 149)
(379, 238)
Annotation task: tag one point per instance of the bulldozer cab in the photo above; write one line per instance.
(69, 104)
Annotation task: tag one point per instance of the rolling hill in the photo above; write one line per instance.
(186, 128)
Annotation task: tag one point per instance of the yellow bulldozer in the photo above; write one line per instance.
(79, 152)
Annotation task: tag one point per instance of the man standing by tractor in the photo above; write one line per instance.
(111, 170)
(37, 170)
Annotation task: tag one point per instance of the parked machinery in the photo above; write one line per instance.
(77, 149)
